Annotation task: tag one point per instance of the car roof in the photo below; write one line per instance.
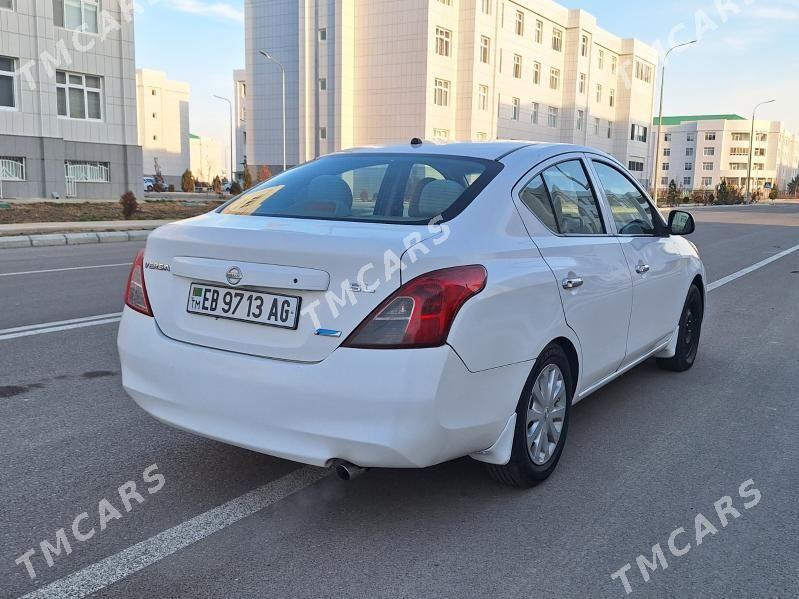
(488, 150)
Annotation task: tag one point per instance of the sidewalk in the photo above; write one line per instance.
(75, 233)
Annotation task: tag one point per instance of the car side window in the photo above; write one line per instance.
(572, 198)
(535, 197)
(631, 211)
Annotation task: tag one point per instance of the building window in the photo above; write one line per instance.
(12, 168)
(537, 73)
(323, 84)
(155, 115)
(734, 166)
(686, 181)
(481, 136)
(516, 105)
(690, 137)
(552, 117)
(610, 129)
(601, 59)
(709, 152)
(79, 96)
(597, 123)
(80, 15)
(614, 64)
(322, 133)
(517, 66)
(707, 181)
(485, 49)
(664, 180)
(539, 32)
(710, 136)
(557, 40)
(643, 71)
(554, 78)
(667, 151)
(155, 138)
(667, 137)
(689, 166)
(443, 41)
(9, 4)
(440, 133)
(584, 46)
(638, 133)
(761, 136)
(739, 151)
(612, 100)
(446, 2)
(534, 116)
(665, 166)
(707, 166)
(519, 22)
(8, 94)
(760, 151)
(636, 166)
(580, 120)
(87, 171)
(581, 85)
(441, 92)
(482, 97)
(487, 7)
(323, 35)
(598, 94)
(740, 137)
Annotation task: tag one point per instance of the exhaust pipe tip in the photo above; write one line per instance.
(347, 470)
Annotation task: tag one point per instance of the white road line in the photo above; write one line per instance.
(36, 272)
(749, 269)
(128, 561)
(62, 325)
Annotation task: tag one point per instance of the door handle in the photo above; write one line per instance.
(642, 268)
(572, 283)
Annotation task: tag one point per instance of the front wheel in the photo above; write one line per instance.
(689, 332)
(542, 420)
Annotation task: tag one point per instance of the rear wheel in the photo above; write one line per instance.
(689, 333)
(542, 420)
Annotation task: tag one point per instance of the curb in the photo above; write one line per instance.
(26, 241)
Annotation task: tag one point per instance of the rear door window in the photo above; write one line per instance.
(631, 211)
(369, 187)
(572, 199)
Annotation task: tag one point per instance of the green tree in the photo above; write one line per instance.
(793, 184)
(673, 195)
(774, 193)
(187, 182)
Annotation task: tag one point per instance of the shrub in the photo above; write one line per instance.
(187, 182)
(247, 178)
(217, 184)
(264, 173)
(129, 204)
(235, 188)
(171, 188)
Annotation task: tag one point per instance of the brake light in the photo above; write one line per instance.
(421, 312)
(136, 291)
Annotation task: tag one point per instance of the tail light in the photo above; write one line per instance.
(420, 313)
(136, 291)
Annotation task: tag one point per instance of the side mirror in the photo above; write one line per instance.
(681, 223)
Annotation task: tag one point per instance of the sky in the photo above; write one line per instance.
(747, 52)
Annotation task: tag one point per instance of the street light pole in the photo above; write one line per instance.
(230, 124)
(751, 150)
(660, 113)
(271, 58)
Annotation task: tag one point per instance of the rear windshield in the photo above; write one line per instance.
(402, 188)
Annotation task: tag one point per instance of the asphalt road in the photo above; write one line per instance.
(644, 456)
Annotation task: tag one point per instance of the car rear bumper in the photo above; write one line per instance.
(390, 408)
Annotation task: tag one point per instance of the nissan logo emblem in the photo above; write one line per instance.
(234, 275)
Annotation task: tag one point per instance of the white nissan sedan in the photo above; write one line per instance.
(404, 306)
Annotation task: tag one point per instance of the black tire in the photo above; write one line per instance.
(521, 471)
(690, 331)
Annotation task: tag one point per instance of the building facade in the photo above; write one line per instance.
(699, 152)
(240, 116)
(163, 118)
(67, 100)
(206, 159)
(362, 72)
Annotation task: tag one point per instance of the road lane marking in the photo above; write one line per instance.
(37, 272)
(745, 271)
(61, 325)
(114, 568)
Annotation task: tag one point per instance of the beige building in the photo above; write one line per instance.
(206, 159)
(240, 116)
(698, 152)
(163, 110)
(362, 72)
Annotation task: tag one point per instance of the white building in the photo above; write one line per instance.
(67, 100)
(362, 72)
(206, 159)
(698, 152)
(163, 117)
(240, 116)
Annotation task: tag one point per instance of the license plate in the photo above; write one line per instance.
(246, 306)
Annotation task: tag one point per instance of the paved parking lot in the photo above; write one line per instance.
(645, 456)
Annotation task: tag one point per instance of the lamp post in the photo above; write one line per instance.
(271, 58)
(660, 113)
(751, 150)
(230, 124)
